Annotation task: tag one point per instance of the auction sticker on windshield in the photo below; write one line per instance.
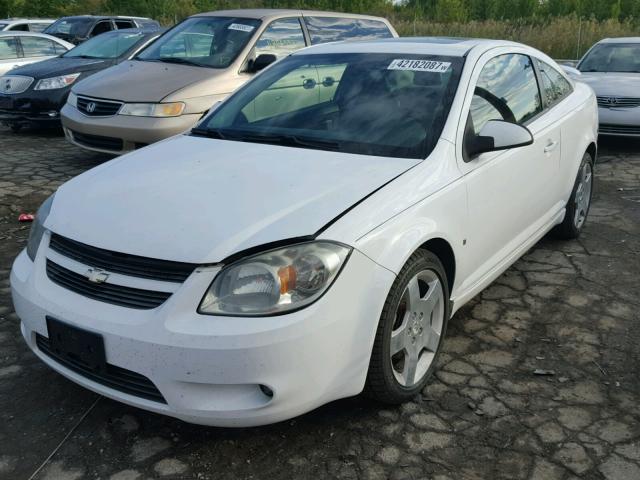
(419, 65)
(241, 27)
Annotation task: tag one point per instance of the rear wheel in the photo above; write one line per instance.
(410, 331)
(579, 202)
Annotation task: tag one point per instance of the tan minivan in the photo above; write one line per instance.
(167, 87)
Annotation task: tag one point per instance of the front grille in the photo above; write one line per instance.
(98, 108)
(105, 292)
(114, 377)
(620, 129)
(133, 265)
(96, 141)
(618, 102)
(14, 84)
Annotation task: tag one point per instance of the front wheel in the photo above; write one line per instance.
(579, 202)
(410, 331)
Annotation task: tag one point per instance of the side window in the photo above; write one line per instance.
(37, 47)
(334, 29)
(8, 48)
(281, 38)
(20, 27)
(38, 27)
(101, 27)
(506, 90)
(121, 24)
(554, 86)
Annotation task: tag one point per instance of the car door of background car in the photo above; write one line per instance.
(36, 49)
(511, 193)
(8, 54)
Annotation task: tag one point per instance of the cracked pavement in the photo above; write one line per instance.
(538, 378)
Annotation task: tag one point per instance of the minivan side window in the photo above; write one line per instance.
(335, 29)
(507, 89)
(37, 47)
(8, 48)
(281, 38)
(101, 27)
(554, 86)
(122, 24)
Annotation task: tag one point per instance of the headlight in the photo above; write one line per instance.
(275, 282)
(72, 99)
(37, 228)
(152, 109)
(54, 83)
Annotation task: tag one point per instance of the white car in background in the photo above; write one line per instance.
(25, 24)
(612, 68)
(297, 247)
(21, 48)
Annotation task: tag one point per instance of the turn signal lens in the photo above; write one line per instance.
(152, 109)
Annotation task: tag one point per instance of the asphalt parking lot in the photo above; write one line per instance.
(568, 311)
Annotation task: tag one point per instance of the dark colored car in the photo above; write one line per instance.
(83, 27)
(41, 89)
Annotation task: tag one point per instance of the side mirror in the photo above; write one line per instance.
(261, 62)
(498, 135)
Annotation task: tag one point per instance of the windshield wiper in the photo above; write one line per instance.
(276, 139)
(181, 61)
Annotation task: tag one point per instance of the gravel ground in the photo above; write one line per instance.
(571, 308)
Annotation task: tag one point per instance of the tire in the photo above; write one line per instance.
(579, 203)
(388, 378)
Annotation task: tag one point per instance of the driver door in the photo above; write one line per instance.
(510, 193)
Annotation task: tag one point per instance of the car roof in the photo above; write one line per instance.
(272, 13)
(104, 17)
(621, 40)
(26, 20)
(446, 46)
(20, 33)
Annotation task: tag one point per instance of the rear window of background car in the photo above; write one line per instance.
(334, 29)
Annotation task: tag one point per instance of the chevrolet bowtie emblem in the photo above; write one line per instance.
(95, 275)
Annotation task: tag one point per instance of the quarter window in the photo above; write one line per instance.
(506, 90)
(122, 24)
(334, 29)
(281, 38)
(554, 86)
(8, 48)
(37, 47)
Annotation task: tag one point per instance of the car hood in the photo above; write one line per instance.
(199, 200)
(137, 81)
(61, 66)
(612, 84)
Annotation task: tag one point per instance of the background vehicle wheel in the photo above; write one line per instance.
(410, 332)
(579, 202)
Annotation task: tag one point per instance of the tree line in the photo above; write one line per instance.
(444, 11)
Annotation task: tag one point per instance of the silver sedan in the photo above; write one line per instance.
(21, 48)
(612, 68)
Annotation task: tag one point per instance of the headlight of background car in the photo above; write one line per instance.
(275, 282)
(37, 228)
(152, 109)
(54, 83)
(72, 99)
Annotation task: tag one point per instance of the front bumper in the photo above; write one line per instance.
(209, 369)
(41, 107)
(623, 122)
(120, 134)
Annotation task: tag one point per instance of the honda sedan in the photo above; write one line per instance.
(311, 238)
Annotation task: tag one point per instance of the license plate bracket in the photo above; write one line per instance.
(81, 347)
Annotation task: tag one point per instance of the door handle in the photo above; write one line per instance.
(551, 146)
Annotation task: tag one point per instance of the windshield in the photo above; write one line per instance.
(612, 57)
(107, 45)
(69, 27)
(367, 103)
(212, 42)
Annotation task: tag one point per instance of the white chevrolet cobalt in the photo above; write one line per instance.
(312, 236)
